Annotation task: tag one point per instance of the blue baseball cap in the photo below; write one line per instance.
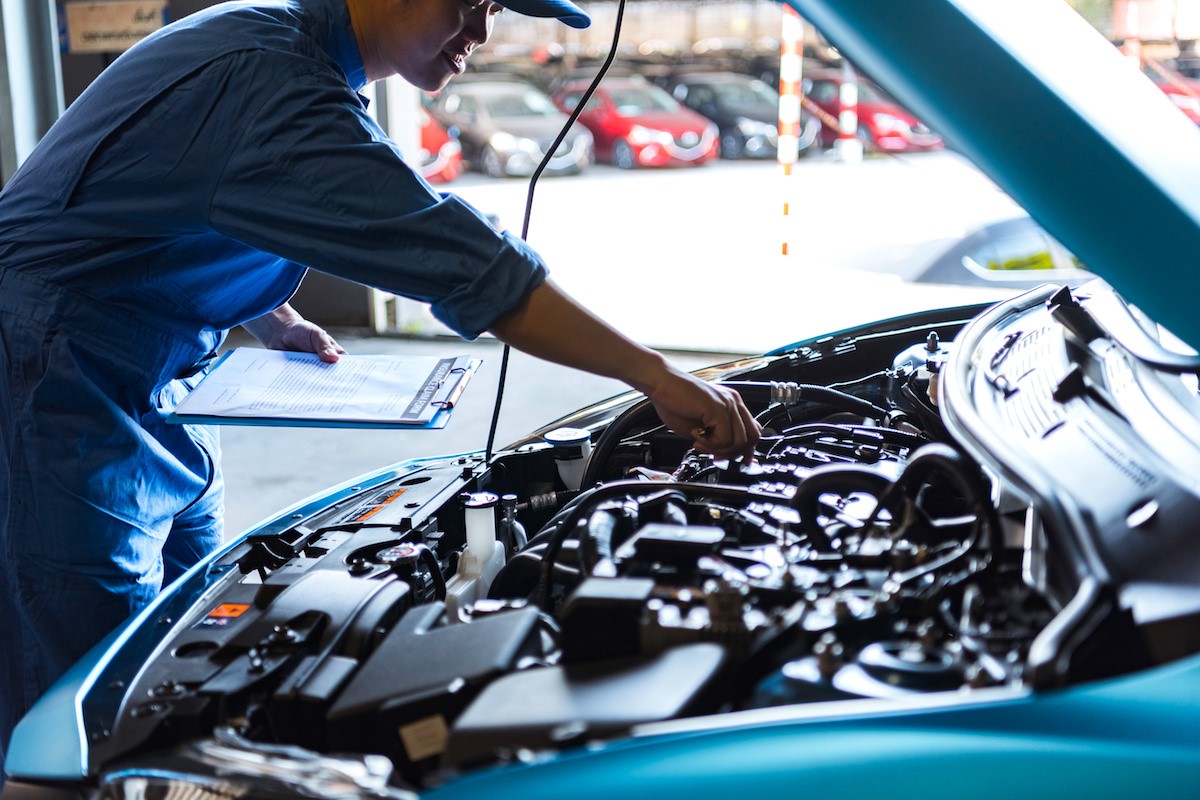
(564, 10)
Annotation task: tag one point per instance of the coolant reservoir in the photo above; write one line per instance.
(482, 558)
(572, 446)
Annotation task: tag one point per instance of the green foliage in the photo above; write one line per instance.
(1098, 12)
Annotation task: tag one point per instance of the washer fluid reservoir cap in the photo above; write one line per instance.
(570, 440)
(480, 499)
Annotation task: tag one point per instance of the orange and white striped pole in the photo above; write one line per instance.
(848, 147)
(790, 69)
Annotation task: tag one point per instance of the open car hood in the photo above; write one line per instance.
(1025, 89)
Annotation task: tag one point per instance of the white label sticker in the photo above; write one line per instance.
(424, 738)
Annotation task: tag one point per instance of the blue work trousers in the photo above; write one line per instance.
(102, 501)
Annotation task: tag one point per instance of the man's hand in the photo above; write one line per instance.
(549, 324)
(713, 417)
(284, 329)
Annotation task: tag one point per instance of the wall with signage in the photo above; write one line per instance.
(108, 26)
(92, 33)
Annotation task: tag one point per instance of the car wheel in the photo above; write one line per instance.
(810, 136)
(493, 165)
(731, 146)
(622, 155)
(868, 141)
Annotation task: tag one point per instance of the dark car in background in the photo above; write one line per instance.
(883, 124)
(637, 124)
(745, 110)
(963, 561)
(506, 128)
(1187, 65)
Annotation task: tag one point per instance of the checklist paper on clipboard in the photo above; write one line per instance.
(252, 386)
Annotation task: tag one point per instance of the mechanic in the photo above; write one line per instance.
(184, 193)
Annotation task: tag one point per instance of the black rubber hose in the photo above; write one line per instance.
(650, 493)
(608, 441)
(764, 392)
(839, 478)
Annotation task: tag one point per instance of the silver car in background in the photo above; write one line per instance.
(506, 128)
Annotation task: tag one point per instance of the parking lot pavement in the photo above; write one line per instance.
(268, 469)
(693, 258)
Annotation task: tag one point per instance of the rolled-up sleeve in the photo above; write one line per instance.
(314, 180)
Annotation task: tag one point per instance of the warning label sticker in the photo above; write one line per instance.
(223, 615)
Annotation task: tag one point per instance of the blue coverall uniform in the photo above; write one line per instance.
(186, 192)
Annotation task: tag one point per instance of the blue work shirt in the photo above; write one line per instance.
(197, 177)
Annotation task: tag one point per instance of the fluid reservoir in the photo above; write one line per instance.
(481, 559)
(572, 446)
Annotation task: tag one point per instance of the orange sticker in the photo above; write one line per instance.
(229, 610)
(379, 507)
(369, 514)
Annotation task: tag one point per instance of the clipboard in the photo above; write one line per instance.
(253, 386)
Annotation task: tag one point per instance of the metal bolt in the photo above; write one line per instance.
(828, 651)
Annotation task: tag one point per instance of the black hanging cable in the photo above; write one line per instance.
(537, 173)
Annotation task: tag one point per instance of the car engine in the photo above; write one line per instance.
(948, 502)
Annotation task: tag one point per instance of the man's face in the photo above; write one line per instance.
(426, 42)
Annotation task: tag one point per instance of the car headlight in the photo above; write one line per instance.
(1187, 103)
(890, 123)
(640, 134)
(503, 142)
(753, 127)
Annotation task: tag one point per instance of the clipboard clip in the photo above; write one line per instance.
(456, 391)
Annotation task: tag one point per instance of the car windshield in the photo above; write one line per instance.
(525, 103)
(641, 99)
(870, 93)
(751, 94)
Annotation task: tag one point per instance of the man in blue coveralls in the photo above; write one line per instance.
(184, 193)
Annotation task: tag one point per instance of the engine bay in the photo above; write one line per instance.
(921, 517)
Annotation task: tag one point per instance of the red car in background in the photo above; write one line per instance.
(883, 124)
(441, 155)
(1186, 101)
(637, 124)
